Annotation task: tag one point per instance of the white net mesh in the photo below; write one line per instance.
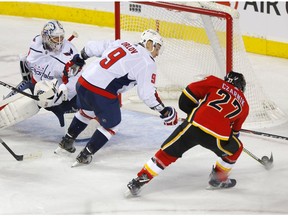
(195, 46)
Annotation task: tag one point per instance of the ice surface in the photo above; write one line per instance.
(48, 185)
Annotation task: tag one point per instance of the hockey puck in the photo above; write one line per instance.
(267, 162)
(265, 159)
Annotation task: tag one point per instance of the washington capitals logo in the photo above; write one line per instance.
(69, 53)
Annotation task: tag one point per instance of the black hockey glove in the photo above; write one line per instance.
(169, 115)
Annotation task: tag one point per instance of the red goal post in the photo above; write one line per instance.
(172, 6)
(200, 39)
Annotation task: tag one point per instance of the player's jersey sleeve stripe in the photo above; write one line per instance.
(38, 51)
(57, 59)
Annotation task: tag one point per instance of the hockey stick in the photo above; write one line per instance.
(265, 160)
(255, 132)
(34, 97)
(264, 134)
(20, 157)
(74, 35)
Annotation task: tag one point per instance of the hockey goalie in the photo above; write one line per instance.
(44, 74)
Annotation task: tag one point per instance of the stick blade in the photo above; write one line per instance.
(267, 162)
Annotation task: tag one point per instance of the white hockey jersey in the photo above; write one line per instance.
(46, 65)
(121, 66)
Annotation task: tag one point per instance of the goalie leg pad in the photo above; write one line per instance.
(16, 108)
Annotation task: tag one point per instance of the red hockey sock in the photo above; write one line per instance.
(164, 159)
(156, 164)
(222, 174)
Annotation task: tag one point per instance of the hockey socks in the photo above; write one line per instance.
(157, 164)
(97, 141)
(76, 127)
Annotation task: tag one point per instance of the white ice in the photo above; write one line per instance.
(48, 185)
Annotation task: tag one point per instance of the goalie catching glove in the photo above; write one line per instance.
(169, 115)
(49, 93)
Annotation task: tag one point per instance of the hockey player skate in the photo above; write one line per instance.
(84, 157)
(66, 144)
(135, 185)
(215, 183)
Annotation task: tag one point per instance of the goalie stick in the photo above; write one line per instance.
(74, 35)
(20, 157)
(34, 97)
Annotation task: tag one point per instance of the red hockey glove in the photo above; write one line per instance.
(169, 115)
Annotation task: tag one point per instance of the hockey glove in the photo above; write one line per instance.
(169, 115)
(73, 67)
(236, 133)
(46, 89)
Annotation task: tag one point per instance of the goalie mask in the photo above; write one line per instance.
(53, 36)
(236, 79)
(151, 35)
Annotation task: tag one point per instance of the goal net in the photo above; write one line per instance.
(200, 39)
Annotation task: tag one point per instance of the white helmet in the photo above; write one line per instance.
(53, 35)
(152, 35)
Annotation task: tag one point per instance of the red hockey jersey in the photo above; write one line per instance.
(222, 107)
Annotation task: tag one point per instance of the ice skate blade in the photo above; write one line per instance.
(214, 188)
(62, 151)
(210, 187)
(58, 150)
(129, 195)
(75, 164)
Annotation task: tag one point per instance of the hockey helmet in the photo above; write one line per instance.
(152, 35)
(53, 35)
(236, 79)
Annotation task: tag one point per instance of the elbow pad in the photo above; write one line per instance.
(84, 54)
